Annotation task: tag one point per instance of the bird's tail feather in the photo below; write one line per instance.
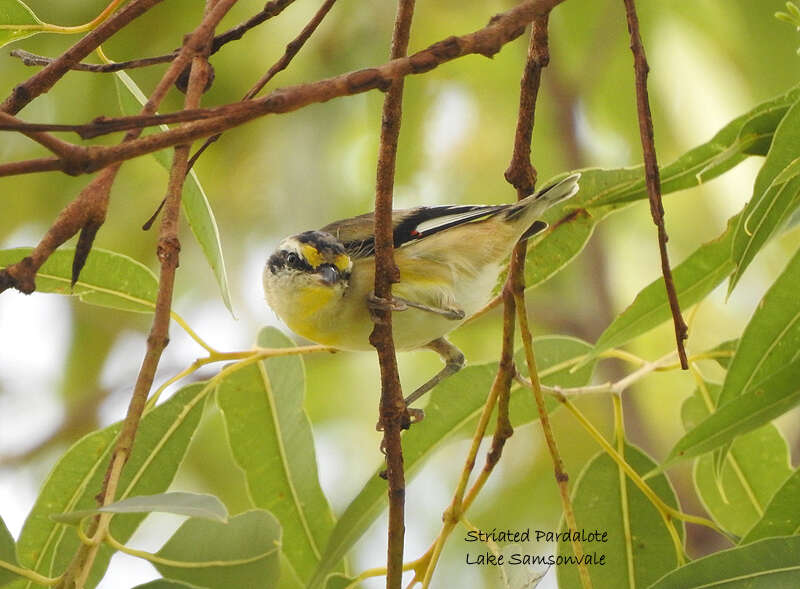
(534, 205)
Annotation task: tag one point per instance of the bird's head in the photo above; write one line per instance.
(313, 259)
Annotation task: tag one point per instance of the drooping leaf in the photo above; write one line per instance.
(163, 436)
(754, 467)
(605, 191)
(180, 503)
(782, 517)
(7, 554)
(270, 436)
(17, 21)
(452, 412)
(109, 279)
(768, 564)
(772, 336)
(772, 397)
(194, 200)
(694, 278)
(638, 547)
(244, 552)
(773, 199)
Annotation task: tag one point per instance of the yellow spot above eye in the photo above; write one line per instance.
(311, 254)
(342, 262)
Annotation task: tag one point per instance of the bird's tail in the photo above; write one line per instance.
(529, 209)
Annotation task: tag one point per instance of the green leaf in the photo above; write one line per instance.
(163, 436)
(452, 412)
(773, 201)
(605, 191)
(244, 552)
(108, 279)
(768, 564)
(639, 548)
(772, 337)
(179, 503)
(728, 346)
(194, 201)
(695, 277)
(270, 436)
(165, 584)
(789, 172)
(771, 398)
(781, 518)
(14, 16)
(756, 464)
(7, 554)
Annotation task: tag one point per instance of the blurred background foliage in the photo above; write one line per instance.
(66, 367)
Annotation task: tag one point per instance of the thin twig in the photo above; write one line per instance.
(652, 176)
(393, 412)
(168, 248)
(486, 41)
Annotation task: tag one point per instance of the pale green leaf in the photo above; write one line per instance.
(244, 552)
(108, 279)
(15, 21)
(773, 201)
(754, 467)
(769, 564)
(163, 436)
(782, 516)
(179, 503)
(694, 278)
(194, 200)
(270, 436)
(789, 172)
(772, 336)
(639, 548)
(165, 584)
(7, 554)
(769, 399)
(452, 412)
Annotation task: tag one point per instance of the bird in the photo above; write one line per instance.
(320, 283)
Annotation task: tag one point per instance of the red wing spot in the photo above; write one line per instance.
(414, 233)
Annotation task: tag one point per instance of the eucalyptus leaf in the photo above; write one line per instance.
(7, 554)
(17, 21)
(770, 398)
(772, 336)
(163, 436)
(638, 547)
(754, 467)
(179, 503)
(270, 436)
(694, 278)
(194, 200)
(165, 584)
(768, 564)
(244, 552)
(773, 199)
(782, 517)
(108, 279)
(453, 412)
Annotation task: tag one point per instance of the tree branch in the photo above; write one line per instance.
(393, 412)
(652, 176)
(486, 41)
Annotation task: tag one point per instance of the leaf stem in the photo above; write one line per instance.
(62, 30)
(29, 574)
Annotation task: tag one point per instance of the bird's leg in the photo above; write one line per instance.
(453, 362)
(401, 304)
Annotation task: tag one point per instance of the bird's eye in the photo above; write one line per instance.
(293, 259)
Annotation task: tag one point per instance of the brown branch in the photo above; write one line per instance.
(486, 41)
(270, 10)
(652, 177)
(292, 49)
(168, 253)
(522, 175)
(43, 80)
(393, 412)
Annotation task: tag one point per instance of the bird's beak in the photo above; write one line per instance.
(329, 274)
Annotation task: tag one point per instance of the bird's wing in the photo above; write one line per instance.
(410, 225)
